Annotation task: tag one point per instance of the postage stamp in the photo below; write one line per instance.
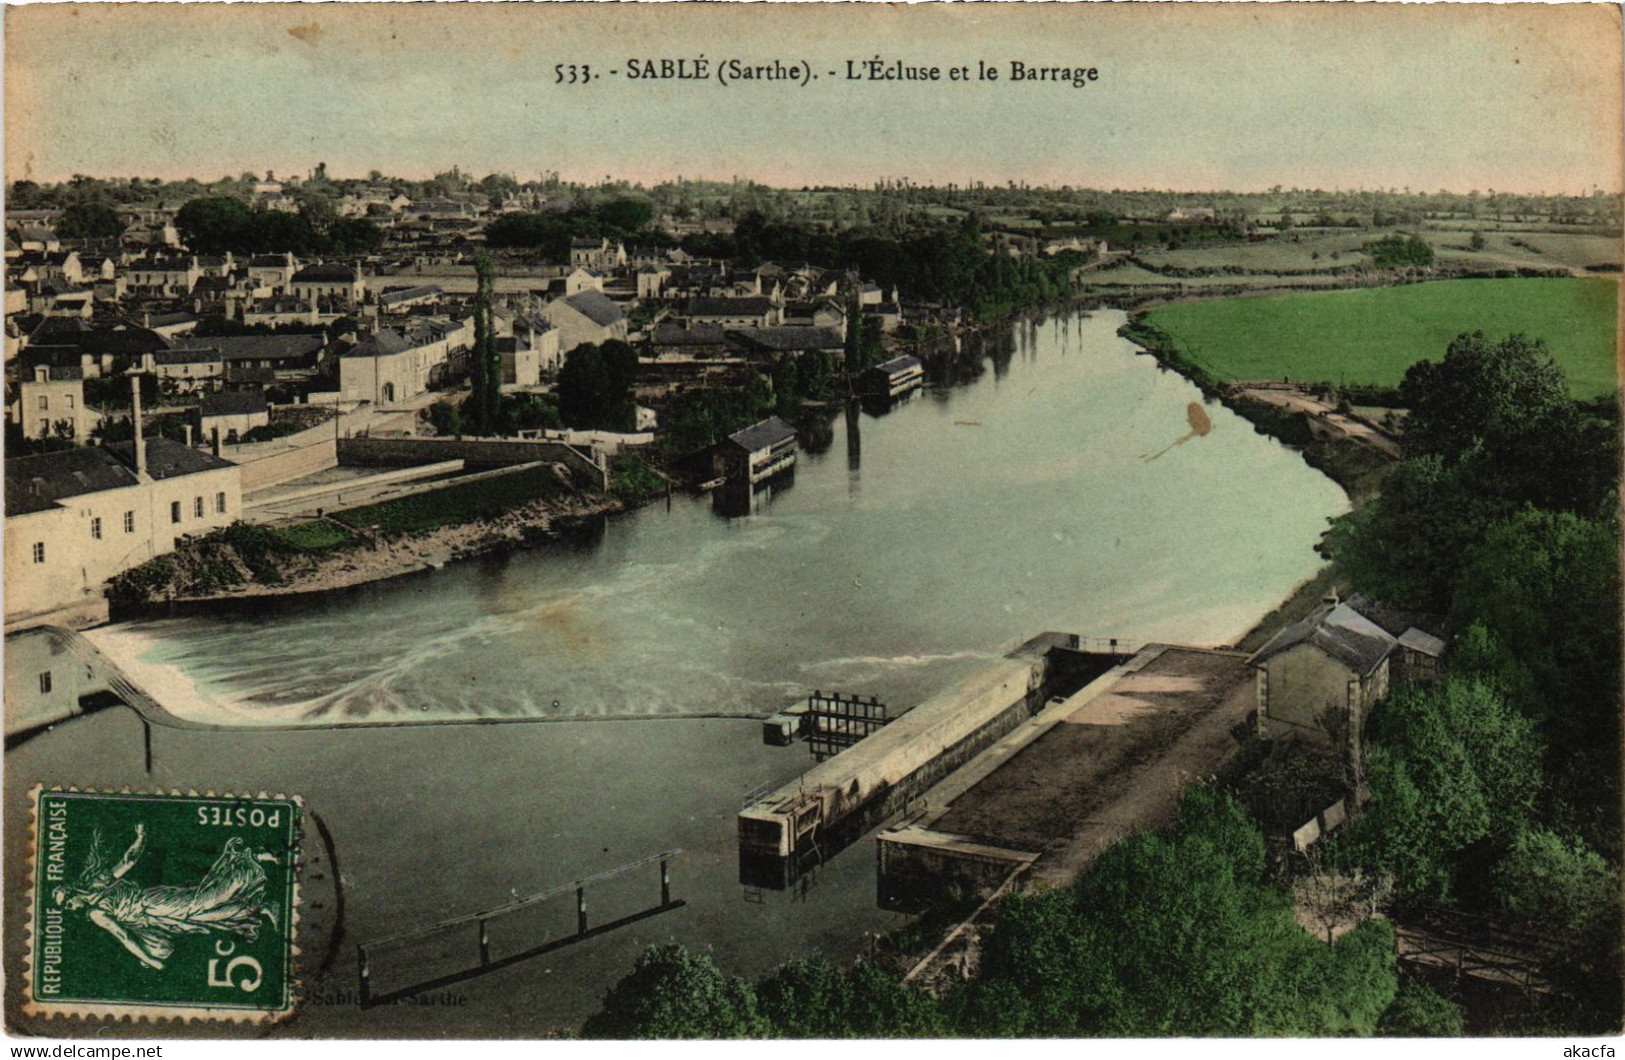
(163, 906)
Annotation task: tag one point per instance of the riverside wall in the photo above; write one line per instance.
(585, 465)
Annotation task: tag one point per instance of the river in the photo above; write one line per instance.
(970, 519)
(910, 551)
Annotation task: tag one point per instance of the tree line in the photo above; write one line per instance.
(217, 223)
(1496, 791)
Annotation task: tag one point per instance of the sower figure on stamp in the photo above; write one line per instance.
(146, 921)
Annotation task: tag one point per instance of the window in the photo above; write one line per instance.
(220, 502)
(44, 403)
(67, 400)
(197, 507)
(129, 522)
(44, 428)
(174, 511)
(45, 683)
(39, 552)
(96, 528)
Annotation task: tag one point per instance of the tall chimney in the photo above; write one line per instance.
(187, 427)
(135, 418)
(215, 431)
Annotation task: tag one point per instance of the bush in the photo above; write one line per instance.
(1561, 882)
(671, 993)
(317, 537)
(1419, 1012)
(632, 479)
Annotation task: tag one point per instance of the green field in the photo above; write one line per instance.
(1372, 336)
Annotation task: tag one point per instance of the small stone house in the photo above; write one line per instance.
(1319, 678)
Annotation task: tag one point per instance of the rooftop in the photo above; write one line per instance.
(730, 307)
(763, 435)
(792, 338)
(233, 403)
(1341, 632)
(37, 483)
(596, 307)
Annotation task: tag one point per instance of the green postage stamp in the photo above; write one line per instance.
(168, 906)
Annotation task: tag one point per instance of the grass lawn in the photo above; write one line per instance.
(316, 536)
(455, 504)
(1372, 336)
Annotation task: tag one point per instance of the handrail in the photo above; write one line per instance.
(528, 900)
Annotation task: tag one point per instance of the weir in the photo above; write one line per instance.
(788, 832)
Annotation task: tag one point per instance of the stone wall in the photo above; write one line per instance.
(474, 452)
(285, 465)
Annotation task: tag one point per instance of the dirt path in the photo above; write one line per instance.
(1349, 426)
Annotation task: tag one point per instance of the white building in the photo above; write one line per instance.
(52, 396)
(78, 517)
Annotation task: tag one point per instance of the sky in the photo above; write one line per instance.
(1510, 97)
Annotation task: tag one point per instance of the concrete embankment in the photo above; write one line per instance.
(840, 798)
(1110, 760)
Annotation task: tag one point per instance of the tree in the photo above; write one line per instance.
(595, 387)
(671, 993)
(276, 232)
(89, 220)
(1491, 428)
(354, 235)
(1481, 393)
(486, 363)
(624, 218)
(1545, 587)
(317, 206)
(1398, 252)
(214, 223)
(1407, 547)
(1552, 880)
(1175, 933)
(1450, 765)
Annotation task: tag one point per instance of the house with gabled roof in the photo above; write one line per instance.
(329, 280)
(1318, 678)
(756, 453)
(749, 312)
(51, 395)
(586, 318)
(163, 277)
(777, 343)
(231, 414)
(272, 272)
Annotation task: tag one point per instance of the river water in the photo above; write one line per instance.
(967, 520)
(917, 545)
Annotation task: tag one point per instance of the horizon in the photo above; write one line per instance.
(1519, 98)
(474, 175)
